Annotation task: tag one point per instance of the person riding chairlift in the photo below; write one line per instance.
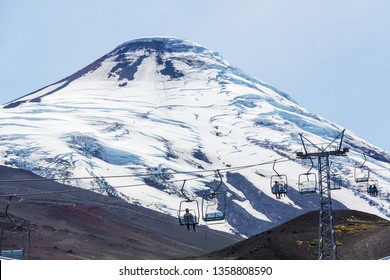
(374, 190)
(189, 220)
(276, 190)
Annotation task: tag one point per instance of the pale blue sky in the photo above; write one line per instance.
(331, 56)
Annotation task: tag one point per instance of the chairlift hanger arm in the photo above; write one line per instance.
(182, 191)
(273, 167)
(312, 165)
(365, 159)
(6, 210)
(220, 183)
(308, 172)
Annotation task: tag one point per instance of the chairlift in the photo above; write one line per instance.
(278, 183)
(214, 204)
(362, 186)
(307, 182)
(362, 173)
(336, 181)
(15, 239)
(188, 205)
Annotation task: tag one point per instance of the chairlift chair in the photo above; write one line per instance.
(15, 242)
(336, 182)
(189, 204)
(15, 239)
(362, 173)
(214, 204)
(278, 182)
(214, 207)
(362, 186)
(281, 180)
(193, 209)
(307, 183)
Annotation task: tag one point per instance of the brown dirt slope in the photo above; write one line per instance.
(359, 236)
(86, 225)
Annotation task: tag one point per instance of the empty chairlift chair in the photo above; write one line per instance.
(307, 183)
(214, 204)
(336, 181)
(15, 239)
(15, 243)
(362, 173)
(214, 207)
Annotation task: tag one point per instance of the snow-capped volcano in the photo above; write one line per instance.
(161, 106)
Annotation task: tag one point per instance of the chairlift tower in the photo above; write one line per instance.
(327, 239)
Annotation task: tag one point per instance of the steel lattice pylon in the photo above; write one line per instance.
(326, 236)
(327, 240)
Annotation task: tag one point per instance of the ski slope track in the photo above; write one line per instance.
(162, 105)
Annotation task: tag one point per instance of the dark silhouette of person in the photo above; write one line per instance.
(189, 220)
(282, 189)
(375, 190)
(371, 190)
(276, 191)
